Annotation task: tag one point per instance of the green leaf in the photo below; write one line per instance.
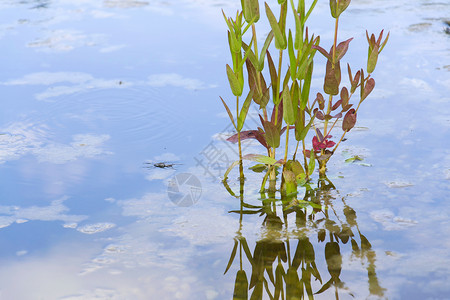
(229, 113)
(372, 60)
(233, 254)
(251, 10)
(306, 86)
(333, 8)
(234, 164)
(294, 287)
(290, 182)
(384, 43)
(235, 39)
(292, 58)
(267, 42)
(334, 259)
(244, 110)
(298, 28)
(280, 39)
(301, 133)
(312, 162)
(257, 291)
(251, 55)
(240, 286)
(258, 168)
(272, 134)
(289, 110)
(342, 6)
(306, 278)
(246, 250)
(241, 64)
(279, 273)
(325, 287)
(235, 84)
(310, 10)
(338, 8)
(354, 158)
(260, 158)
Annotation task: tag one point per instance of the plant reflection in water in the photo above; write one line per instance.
(283, 261)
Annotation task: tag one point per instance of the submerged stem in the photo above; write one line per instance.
(241, 167)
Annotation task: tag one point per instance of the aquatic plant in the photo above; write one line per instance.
(284, 263)
(285, 96)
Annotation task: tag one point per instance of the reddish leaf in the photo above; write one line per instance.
(323, 51)
(368, 88)
(319, 114)
(265, 97)
(273, 75)
(336, 105)
(252, 81)
(344, 96)
(332, 79)
(349, 120)
(321, 100)
(380, 37)
(322, 143)
(350, 77)
(341, 49)
(347, 107)
(355, 82)
(319, 134)
(249, 134)
(339, 115)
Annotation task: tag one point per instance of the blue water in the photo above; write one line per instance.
(94, 93)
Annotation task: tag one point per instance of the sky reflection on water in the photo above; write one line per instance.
(92, 90)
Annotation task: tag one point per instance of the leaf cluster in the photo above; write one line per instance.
(284, 93)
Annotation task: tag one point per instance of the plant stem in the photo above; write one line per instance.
(333, 63)
(241, 167)
(304, 159)
(345, 132)
(296, 149)
(258, 74)
(287, 143)
(330, 104)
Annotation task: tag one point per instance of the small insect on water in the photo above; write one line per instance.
(161, 165)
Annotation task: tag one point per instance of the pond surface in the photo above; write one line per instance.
(95, 93)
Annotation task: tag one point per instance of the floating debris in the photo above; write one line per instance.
(419, 27)
(161, 165)
(398, 184)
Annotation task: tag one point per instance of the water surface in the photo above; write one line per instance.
(95, 92)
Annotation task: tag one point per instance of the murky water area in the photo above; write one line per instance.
(112, 151)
